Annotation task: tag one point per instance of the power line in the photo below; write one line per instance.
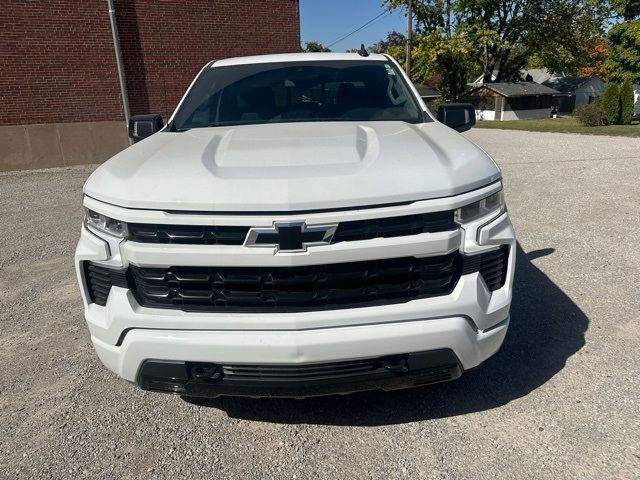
(385, 12)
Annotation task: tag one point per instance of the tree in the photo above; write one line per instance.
(624, 54)
(626, 102)
(394, 39)
(502, 36)
(447, 59)
(627, 9)
(394, 45)
(572, 38)
(315, 47)
(624, 38)
(610, 102)
(596, 65)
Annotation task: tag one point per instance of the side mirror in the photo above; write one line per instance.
(143, 126)
(459, 116)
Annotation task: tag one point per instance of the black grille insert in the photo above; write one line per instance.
(347, 231)
(491, 265)
(280, 289)
(395, 226)
(294, 373)
(100, 280)
(296, 288)
(187, 234)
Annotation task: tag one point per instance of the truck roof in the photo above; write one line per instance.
(297, 57)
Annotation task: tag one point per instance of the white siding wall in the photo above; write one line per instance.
(582, 99)
(486, 115)
(636, 92)
(513, 115)
(593, 88)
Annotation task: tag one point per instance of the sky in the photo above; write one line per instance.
(325, 21)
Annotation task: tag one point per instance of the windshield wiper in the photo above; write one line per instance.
(171, 127)
(218, 124)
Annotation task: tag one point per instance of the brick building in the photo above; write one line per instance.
(59, 89)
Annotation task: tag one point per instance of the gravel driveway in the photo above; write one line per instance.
(560, 400)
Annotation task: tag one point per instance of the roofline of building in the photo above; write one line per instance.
(488, 85)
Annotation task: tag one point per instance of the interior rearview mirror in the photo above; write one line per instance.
(143, 126)
(459, 116)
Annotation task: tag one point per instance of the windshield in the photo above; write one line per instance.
(297, 92)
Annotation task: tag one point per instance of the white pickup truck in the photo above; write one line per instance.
(302, 225)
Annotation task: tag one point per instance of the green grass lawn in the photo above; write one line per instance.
(563, 125)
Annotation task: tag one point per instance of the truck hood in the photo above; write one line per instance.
(292, 167)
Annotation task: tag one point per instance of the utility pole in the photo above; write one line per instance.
(409, 37)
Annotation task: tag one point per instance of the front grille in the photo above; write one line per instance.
(395, 226)
(347, 231)
(281, 289)
(187, 234)
(296, 288)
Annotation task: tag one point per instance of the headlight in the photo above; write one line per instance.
(494, 203)
(105, 224)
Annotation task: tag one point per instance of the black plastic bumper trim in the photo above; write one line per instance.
(210, 380)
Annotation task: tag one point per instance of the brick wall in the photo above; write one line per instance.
(56, 62)
(165, 44)
(58, 66)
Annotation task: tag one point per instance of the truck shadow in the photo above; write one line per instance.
(547, 327)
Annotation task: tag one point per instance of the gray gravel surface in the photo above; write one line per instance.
(560, 400)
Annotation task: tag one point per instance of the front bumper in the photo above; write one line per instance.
(471, 321)
(304, 347)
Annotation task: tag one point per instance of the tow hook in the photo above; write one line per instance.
(205, 371)
(395, 365)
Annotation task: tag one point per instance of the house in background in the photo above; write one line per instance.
(537, 75)
(575, 91)
(511, 101)
(570, 92)
(636, 100)
(428, 94)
